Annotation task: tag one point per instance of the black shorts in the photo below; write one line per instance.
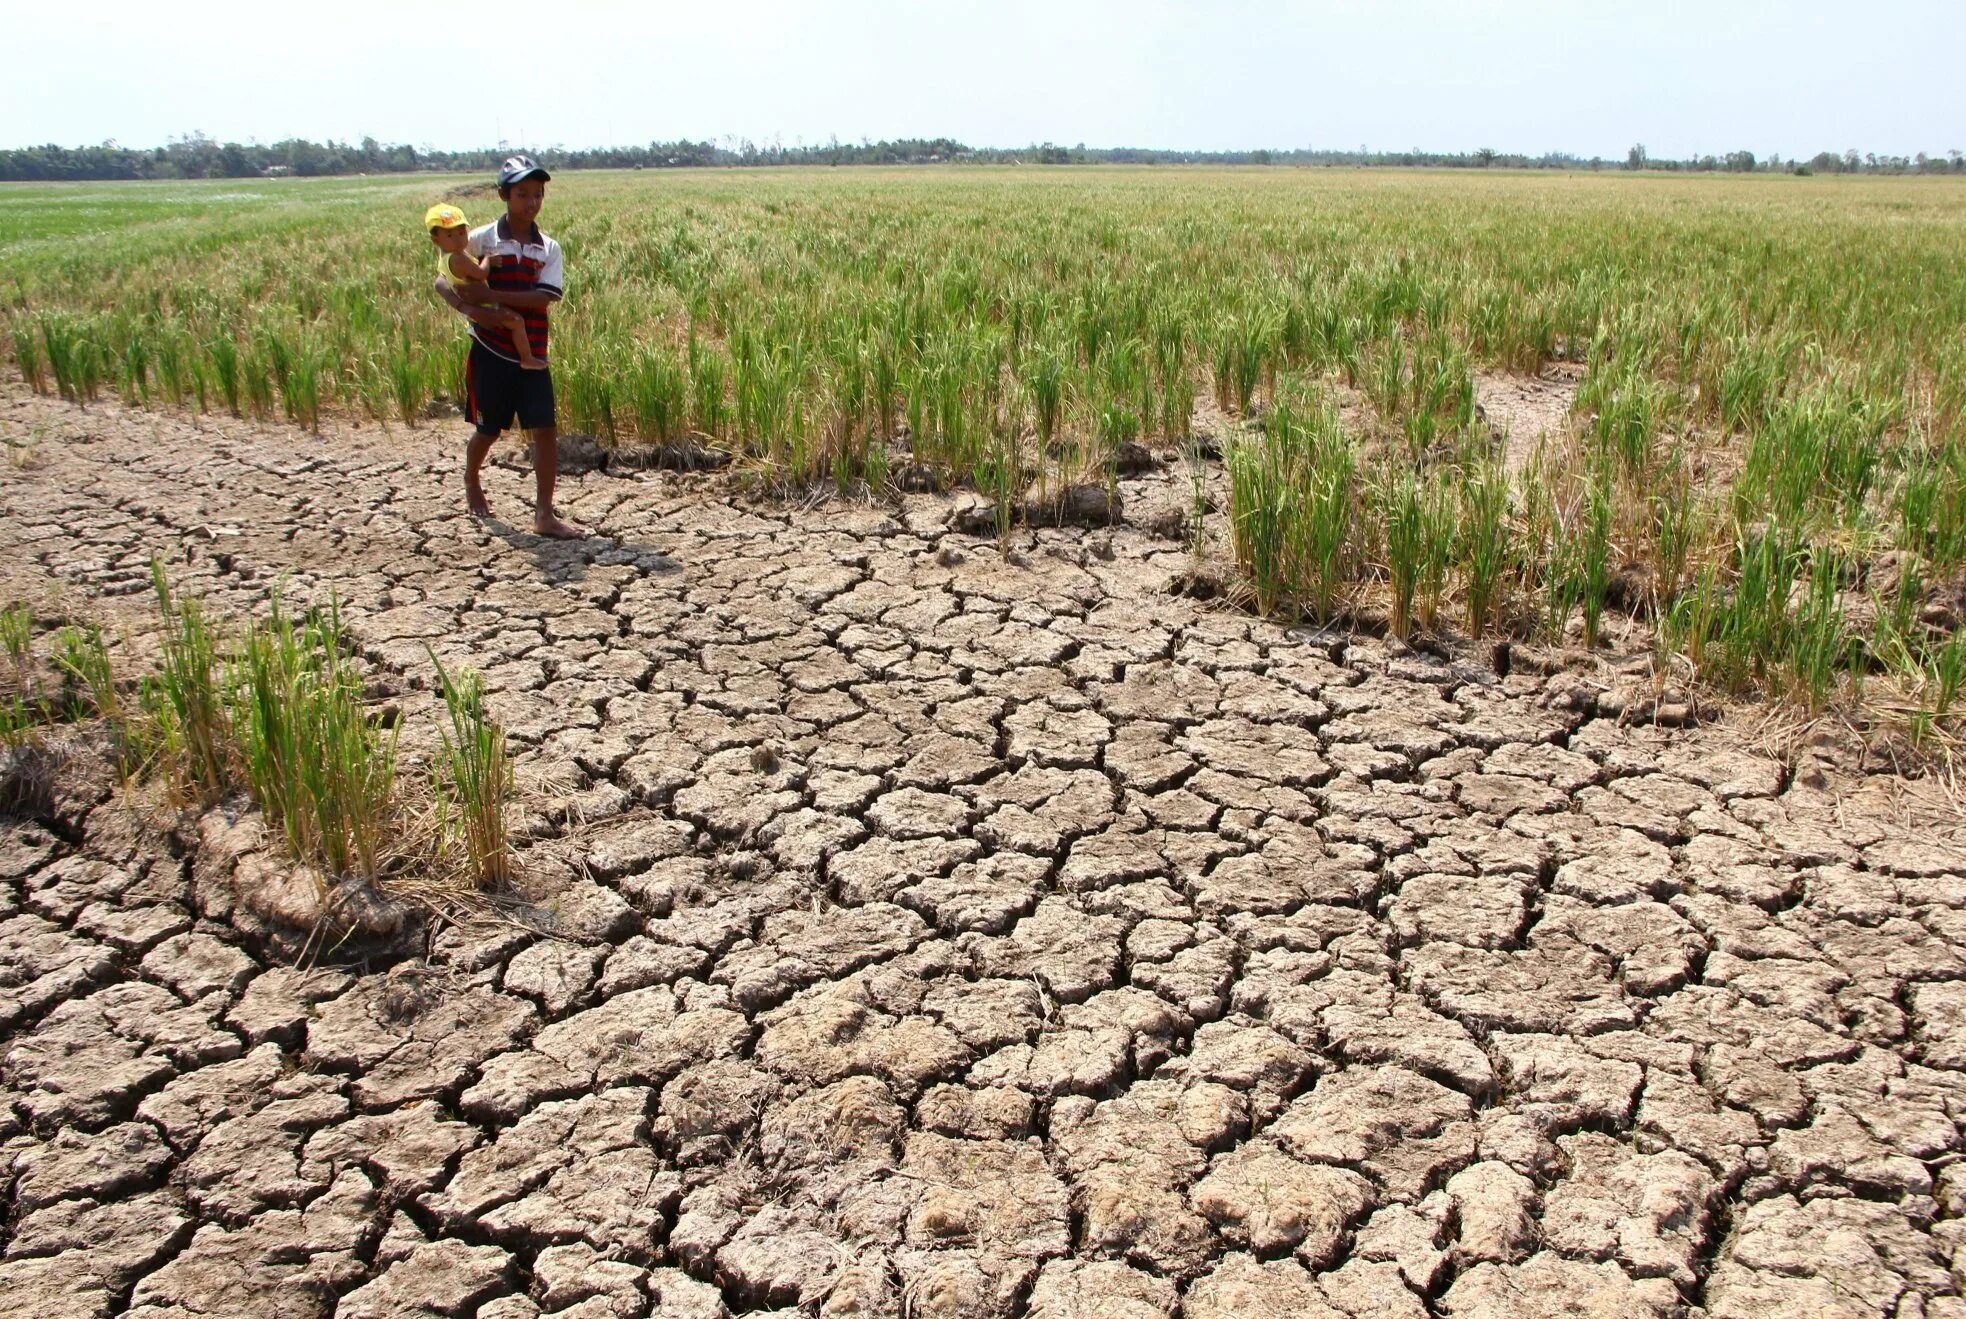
(496, 390)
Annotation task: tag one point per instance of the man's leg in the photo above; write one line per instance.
(545, 475)
(474, 462)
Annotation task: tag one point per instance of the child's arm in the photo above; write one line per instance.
(464, 267)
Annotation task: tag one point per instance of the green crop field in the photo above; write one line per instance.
(1765, 466)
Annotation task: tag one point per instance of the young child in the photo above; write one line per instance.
(452, 234)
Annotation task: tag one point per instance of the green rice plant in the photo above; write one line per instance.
(1129, 399)
(1044, 379)
(1895, 644)
(1249, 350)
(83, 659)
(222, 352)
(257, 379)
(884, 382)
(998, 474)
(1593, 561)
(473, 777)
(1196, 464)
(1403, 513)
(405, 383)
(1439, 393)
(1347, 338)
(318, 766)
(1385, 377)
(27, 352)
(1753, 376)
(1439, 523)
(201, 384)
(709, 373)
(1291, 502)
(1768, 564)
(1259, 514)
(1177, 407)
(1948, 673)
(1816, 641)
(183, 701)
(765, 385)
(1177, 387)
(1676, 520)
(1738, 635)
(133, 371)
(74, 357)
(17, 636)
(1328, 507)
(303, 370)
(847, 422)
(20, 723)
(1690, 622)
(1630, 410)
(173, 372)
(1814, 460)
(1931, 503)
(1484, 548)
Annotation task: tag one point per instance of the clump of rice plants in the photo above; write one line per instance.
(1403, 513)
(1484, 549)
(1931, 504)
(21, 709)
(83, 658)
(1292, 491)
(312, 757)
(1948, 674)
(1772, 621)
(1328, 513)
(17, 636)
(1439, 525)
(27, 352)
(473, 778)
(20, 723)
(659, 390)
(183, 701)
(1259, 512)
(1593, 560)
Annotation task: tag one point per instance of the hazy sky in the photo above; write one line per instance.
(1589, 76)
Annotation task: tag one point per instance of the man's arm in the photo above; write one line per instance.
(477, 315)
(485, 296)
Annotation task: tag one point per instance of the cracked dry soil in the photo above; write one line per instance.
(919, 933)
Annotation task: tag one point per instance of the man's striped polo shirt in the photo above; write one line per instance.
(525, 264)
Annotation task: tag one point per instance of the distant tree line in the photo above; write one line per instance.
(200, 157)
(1823, 162)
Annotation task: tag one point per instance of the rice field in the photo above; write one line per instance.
(1763, 478)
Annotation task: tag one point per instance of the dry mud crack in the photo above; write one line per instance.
(920, 933)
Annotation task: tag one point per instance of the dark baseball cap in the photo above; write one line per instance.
(520, 167)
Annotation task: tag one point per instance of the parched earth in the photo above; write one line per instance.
(911, 931)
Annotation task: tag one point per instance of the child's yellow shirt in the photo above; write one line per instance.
(444, 269)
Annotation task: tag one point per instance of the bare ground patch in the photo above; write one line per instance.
(1527, 409)
(914, 929)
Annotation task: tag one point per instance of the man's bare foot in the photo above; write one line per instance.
(476, 504)
(555, 527)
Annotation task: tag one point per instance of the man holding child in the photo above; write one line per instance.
(523, 272)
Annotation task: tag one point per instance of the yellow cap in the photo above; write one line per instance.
(443, 216)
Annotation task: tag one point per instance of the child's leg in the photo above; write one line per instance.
(514, 322)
